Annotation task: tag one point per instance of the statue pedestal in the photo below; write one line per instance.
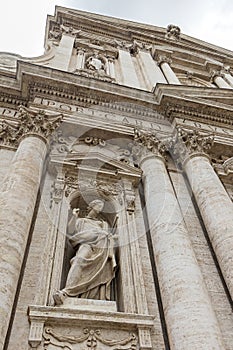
(89, 304)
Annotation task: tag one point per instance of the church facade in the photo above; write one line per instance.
(116, 213)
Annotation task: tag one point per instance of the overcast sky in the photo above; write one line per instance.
(22, 23)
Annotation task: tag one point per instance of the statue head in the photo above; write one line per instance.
(97, 205)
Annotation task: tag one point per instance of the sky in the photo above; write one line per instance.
(22, 24)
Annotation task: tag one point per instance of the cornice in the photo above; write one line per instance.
(111, 28)
(165, 101)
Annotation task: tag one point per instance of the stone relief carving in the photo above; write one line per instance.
(57, 31)
(91, 339)
(93, 266)
(180, 145)
(30, 123)
(38, 123)
(186, 142)
(100, 187)
(163, 59)
(173, 32)
(95, 67)
(146, 142)
(8, 134)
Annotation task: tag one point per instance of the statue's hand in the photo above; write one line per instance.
(76, 212)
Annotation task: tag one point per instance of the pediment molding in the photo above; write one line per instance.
(96, 162)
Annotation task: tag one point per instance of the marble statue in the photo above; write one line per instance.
(93, 266)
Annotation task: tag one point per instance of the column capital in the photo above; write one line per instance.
(189, 143)
(37, 123)
(215, 73)
(163, 59)
(8, 135)
(147, 145)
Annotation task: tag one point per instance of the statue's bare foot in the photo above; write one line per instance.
(59, 297)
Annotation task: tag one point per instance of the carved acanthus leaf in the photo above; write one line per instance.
(92, 339)
(8, 134)
(146, 142)
(37, 123)
(187, 142)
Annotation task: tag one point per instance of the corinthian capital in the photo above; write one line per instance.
(37, 123)
(8, 134)
(147, 143)
(186, 143)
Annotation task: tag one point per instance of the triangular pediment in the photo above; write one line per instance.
(99, 162)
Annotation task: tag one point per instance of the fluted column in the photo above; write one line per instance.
(151, 70)
(218, 79)
(17, 203)
(189, 315)
(213, 201)
(164, 63)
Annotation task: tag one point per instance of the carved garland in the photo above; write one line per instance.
(92, 339)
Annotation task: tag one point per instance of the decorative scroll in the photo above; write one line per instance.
(90, 340)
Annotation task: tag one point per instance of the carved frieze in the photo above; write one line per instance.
(91, 339)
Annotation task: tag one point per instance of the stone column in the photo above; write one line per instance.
(183, 290)
(17, 203)
(213, 201)
(164, 63)
(151, 70)
(218, 79)
(129, 75)
(80, 59)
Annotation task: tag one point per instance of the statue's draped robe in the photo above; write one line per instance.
(92, 267)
